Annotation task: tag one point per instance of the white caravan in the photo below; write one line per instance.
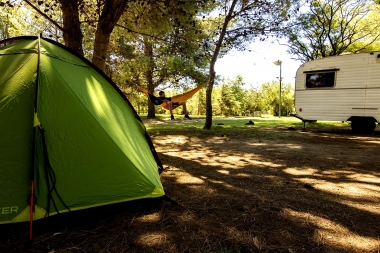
(340, 88)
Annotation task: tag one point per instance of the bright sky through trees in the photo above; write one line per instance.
(257, 67)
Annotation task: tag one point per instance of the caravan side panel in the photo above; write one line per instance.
(355, 91)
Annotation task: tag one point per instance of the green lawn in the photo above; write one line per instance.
(228, 126)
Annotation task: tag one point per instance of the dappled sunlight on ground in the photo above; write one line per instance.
(154, 217)
(369, 206)
(262, 190)
(204, 155)
(367, 178)
(324, 192)
(224, 172)
(246, 175)
(330, 232)
(290, 147)
(189, 180)
(361, 191)
(153, 239)
(300, 171)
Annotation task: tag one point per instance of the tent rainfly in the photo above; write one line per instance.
(69, 139)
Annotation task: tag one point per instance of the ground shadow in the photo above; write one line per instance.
(277, 190)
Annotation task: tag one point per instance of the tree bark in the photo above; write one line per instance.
(210, 85)
(148, 52)
(151, 109)
(72, 33)
(111, 13)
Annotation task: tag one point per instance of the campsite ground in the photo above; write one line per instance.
(275, 189)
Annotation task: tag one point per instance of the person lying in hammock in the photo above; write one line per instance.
(168, 100)
(170, 103)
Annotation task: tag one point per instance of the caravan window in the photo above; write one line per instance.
(320, 79)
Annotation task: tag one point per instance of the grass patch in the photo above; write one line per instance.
(235, 126)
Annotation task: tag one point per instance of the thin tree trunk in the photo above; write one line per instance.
(209, 88)
(211, 80)
(148, 52)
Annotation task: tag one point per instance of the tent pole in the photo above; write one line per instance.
(35, 125)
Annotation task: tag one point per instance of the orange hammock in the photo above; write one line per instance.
(175, 99)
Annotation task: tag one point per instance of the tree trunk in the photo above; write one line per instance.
(211, 80)
(72, 33)
(148, 52)
(151, 111)
(111, 13)
(209, 88)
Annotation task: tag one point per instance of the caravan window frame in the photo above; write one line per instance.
(324, 74)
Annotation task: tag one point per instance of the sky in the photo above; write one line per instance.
(257, 67)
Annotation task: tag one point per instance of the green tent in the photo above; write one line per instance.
(69, 138)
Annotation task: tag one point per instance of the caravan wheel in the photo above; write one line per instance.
(366, 126)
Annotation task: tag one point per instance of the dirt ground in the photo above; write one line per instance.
(278, 190)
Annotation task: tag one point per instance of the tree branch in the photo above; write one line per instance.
(44, 15)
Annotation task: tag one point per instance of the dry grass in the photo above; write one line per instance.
(308, 192)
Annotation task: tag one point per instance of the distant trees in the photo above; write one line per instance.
(231, 97)
(269, 98)
(334, 27)
(228, 103)
(235, 23)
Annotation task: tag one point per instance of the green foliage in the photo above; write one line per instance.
(161, 44)
(196, 105)
(16, 19)
(228, 104)
(334, 27)
(270, 98)
(251, 102)
(238, 92)
(233, 98)
(235, 23)
(4, 24)
(157, 44)
(269, 94)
